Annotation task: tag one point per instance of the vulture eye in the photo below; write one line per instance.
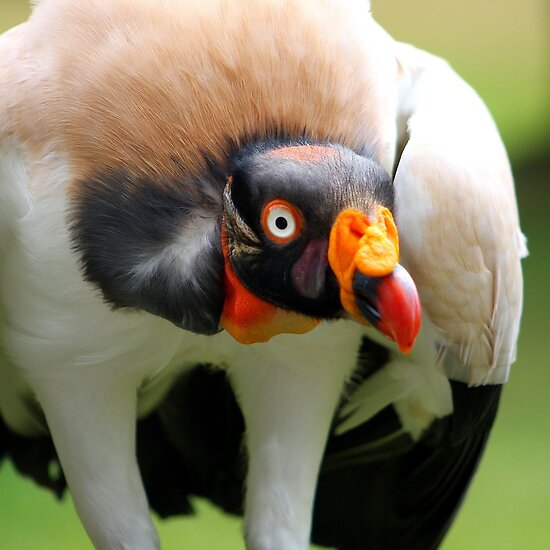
(281, 221)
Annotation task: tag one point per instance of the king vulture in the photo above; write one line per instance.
(253, 185)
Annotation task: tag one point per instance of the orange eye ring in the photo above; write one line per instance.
(281, 221)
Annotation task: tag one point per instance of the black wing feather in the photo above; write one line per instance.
(406, 499)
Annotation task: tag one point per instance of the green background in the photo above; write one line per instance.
(502, 47)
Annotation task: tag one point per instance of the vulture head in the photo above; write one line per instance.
(286, 235)
(308, 235)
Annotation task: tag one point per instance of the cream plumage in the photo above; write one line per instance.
(108, 110)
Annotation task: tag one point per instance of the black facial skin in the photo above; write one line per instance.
(131, 232)
(320, 191)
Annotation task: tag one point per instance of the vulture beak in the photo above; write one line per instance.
(374, 289)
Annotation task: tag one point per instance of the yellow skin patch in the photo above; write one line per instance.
(359, 243)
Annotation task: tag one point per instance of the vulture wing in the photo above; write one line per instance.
(458, 220)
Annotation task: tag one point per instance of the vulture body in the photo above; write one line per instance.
(171, 169)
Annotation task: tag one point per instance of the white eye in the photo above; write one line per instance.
(281, 221)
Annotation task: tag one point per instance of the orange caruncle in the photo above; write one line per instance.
(358, 243)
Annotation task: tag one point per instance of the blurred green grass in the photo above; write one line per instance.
(503, 49)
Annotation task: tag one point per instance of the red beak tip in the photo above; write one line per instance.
(405, 344)
(406, 348)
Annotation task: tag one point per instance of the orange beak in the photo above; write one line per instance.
(374, 289)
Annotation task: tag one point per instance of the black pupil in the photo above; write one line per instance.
(281, 223)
